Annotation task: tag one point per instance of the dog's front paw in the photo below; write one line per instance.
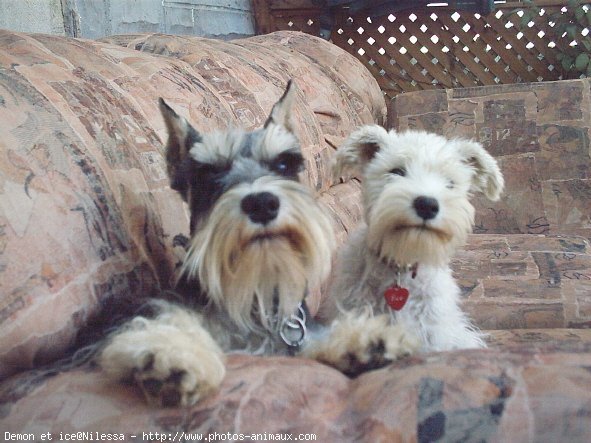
(360, 343)
(173, 366)
(170, 380)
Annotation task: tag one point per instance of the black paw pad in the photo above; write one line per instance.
(149, 363)
(152, 386)
(355, 366)
(176, 376)
(377, 349)
(170, 397)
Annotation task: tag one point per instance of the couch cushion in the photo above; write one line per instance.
(537, 392)
(87, 218)
(525, 281)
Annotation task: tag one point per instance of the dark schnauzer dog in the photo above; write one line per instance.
(259, 241)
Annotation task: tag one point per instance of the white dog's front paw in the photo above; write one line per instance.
(173, 364)
(361, 343)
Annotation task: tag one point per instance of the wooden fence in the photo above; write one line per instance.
(432, 46)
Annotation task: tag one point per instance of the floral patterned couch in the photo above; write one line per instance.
(87, 219)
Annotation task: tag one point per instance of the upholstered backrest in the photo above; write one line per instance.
(87, 217)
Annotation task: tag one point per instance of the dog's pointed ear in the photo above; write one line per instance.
(281, 112)
(359, 148)
(488, 178)
(181, 137)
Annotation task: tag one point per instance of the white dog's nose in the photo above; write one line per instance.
(426, 207)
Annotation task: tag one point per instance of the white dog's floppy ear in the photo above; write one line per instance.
(488, 178)
(281, 112)
(359, 148)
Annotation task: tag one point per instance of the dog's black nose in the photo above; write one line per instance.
(261, 207)
(426, 207)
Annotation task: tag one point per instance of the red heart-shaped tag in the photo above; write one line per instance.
(396, 297)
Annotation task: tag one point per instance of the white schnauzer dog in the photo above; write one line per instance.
(395, 268)
(259, 241)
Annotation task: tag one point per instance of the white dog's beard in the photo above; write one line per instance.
(259, 274)
(411, 245)
(395, 239)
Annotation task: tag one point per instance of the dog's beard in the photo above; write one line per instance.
(397, 235)
(260, 273)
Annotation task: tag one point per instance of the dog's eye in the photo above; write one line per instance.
(398, 171)
(288, 164)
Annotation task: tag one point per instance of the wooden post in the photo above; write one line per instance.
(264, 22)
